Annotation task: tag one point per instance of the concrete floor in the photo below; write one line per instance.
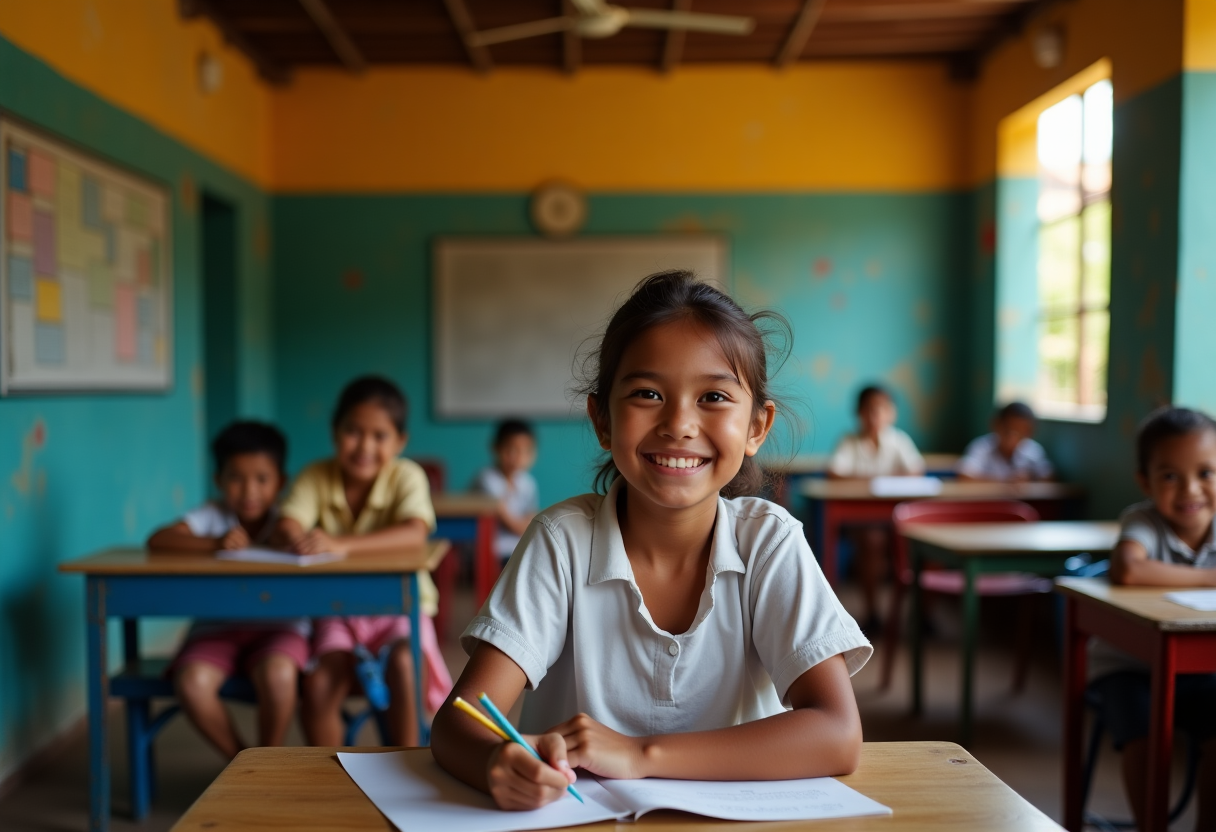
(1017, 738)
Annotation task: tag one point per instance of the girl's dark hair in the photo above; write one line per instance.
(677, 295)
(375, 389)
(1166, 423)
(248, 437)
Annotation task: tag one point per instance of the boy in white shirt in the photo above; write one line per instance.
(1008, 454)
(510, 482)
(877, 449)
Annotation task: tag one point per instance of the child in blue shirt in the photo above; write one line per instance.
(510, 482)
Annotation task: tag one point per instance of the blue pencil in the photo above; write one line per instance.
(505, 725)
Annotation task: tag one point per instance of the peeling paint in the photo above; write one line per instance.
(1148, 307)
(874, 268)
(1150, 385)
(839, 301)
(821, 268)
(24, 477)
(821, 366)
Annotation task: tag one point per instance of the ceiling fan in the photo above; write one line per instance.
(600, 19)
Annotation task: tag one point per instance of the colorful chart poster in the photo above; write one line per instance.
(85, 271)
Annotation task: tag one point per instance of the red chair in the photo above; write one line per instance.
(950, 582)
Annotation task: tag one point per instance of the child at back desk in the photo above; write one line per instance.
(1167, 540)
(249, 462)
(664, 628)
(366, 499)
(510, 482)
(1008, 453)
(878, 449)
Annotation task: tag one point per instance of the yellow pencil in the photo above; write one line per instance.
(480, 717)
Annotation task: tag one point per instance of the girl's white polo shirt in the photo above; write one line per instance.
(568, 611)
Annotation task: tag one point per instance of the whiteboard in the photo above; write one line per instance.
(85, 275)
(511, 315)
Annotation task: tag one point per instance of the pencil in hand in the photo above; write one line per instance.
(509, 729)
(480, 717)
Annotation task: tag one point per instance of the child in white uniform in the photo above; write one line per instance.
(510, 482)
(664, 628)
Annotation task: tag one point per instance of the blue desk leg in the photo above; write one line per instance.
(98, 687)
(139, 736)
(416, 654)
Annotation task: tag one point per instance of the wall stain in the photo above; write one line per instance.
(821, 366)
(25, 479)
(839, 301)
(821, 268)
(1150, 385)
(874, 268)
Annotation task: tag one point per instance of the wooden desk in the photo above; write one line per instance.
(468, 518)
(937, 465)
(836, 502)
(930, 786)
(132, 583)
(976, 548)
(1168, 637)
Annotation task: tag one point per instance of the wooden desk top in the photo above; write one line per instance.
(951, 490)
(1043, 538)
(463, 505)
(818, 463)
(1145, 605)
(930, 786)
(142, 562)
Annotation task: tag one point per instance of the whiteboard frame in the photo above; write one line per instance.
(440, 321)
(85, 158)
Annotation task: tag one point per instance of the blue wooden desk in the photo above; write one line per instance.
(133, 583)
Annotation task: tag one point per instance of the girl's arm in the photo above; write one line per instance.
(820, 737)
(516, 524)
(515, 778)
(1130, 565)
(407, 534)
(177, 537)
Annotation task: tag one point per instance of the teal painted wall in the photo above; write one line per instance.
(1145, 196)
(1195, 340)
(868, 282)
(1017, 290)
(81, 472)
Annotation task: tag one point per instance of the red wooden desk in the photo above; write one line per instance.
(1170, 638)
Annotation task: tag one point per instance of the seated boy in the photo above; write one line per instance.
(509, 482)
(877, 449)
(249, 462)
(1165, 541)
(1008, 454)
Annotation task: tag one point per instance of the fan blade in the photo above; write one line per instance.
(718, 24)
(520, 31)
(590, 8)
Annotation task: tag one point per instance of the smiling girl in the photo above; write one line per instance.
(670, 627)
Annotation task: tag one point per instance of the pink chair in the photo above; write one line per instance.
(950, 582)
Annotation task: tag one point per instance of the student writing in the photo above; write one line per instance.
(663, 628)
(249, 462)
(365, 499)
(1167, 540)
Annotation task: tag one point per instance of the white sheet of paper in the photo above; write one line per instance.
(1196, 599)
(905, 486)
(412, 791)
(811, 799)
(259, 555)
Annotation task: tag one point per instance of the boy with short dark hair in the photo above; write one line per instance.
(1009, 453)
(1166, 540)
(510, 482)
(249, 464)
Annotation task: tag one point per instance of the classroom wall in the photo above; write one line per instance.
(82, 472)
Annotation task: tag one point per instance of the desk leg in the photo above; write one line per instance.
(98, 687)
(485, 570)
(971, 616)
(139, 738)
(1075, 670)
(416, 655)
(914, 636)
(1161, 734)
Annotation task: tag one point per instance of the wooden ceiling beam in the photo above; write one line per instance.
(800, 32)
(572, 44)
(920, 11)
(339, 40)
(479, 56)
(673, 46)
(268, 68)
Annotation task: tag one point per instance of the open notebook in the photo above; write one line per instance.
(259, 555)
(410, 789)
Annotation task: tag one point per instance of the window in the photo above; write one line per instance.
(1073, 141)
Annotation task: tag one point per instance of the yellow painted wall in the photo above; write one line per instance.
(1199, 49)
(141, 56)
(1142, 38)
(893, 126)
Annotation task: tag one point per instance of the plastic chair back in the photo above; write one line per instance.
(436, 474)
(963, 511)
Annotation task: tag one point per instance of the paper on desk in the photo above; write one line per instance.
(260, 555)
(410, 789)
(905, 486)
(1196, 599)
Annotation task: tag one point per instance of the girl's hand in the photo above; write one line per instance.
(519, 781)
(316, 542)
(600, 750)
(237, 538)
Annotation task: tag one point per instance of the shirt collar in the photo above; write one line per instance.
(378, 498)
(610, 563)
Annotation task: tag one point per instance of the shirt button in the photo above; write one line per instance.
(673, 649)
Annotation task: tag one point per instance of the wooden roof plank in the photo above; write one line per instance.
(800, 32)
(337, 36)
(673, 46)
(479, 56)
(267, 67)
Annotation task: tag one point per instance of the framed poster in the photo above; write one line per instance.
(85, 275)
